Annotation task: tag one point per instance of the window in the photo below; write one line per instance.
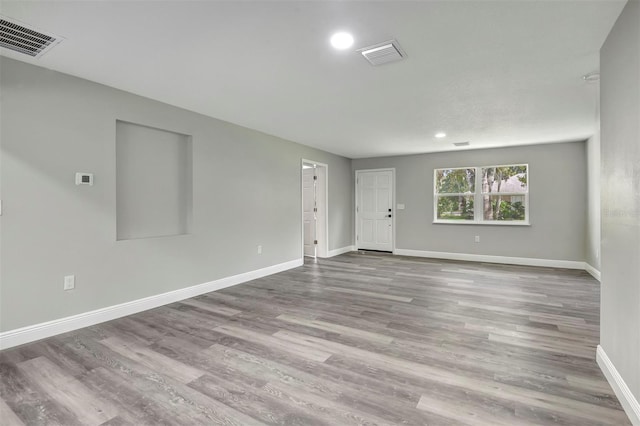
(455, 189)
(492, 194)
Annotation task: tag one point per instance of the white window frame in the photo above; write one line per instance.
(478, 199)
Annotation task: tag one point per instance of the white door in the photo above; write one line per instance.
(374, 210)
(308, 210)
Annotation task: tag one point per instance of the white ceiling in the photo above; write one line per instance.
(495, 73)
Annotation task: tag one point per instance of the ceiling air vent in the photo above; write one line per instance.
(20, 38)
(383, 53)
(461, 143)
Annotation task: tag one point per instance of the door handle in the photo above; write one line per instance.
(389, 216)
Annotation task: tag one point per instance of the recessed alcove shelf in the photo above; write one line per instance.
(153, 182)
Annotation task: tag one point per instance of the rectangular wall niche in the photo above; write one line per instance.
(153, 182)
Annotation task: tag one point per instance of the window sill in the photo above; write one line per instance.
(472, 222)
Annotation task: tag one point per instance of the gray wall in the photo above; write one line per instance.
(557, 185)
(620, 180)
(246, 191)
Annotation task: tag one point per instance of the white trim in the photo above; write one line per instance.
(31, 333)
(527, 261)
(342, 250)
(593, 271)
(484, 223)
(325, 251)
(622, 391)
(393, 205)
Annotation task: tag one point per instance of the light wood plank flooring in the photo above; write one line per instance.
(356, 339)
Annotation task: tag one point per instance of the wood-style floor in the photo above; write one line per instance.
(356, 339)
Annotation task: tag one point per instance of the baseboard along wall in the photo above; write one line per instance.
(341, 250)
(35, 332)
(628, 401)
(525, 261)
(593, 271)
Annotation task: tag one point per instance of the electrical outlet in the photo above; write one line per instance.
(69, 282)
(84, 178)
(477, 238)
(259, 249)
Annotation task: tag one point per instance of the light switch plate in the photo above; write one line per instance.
(69, 282)
(400, 207)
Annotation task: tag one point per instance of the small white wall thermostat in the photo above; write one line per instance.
(84, 178)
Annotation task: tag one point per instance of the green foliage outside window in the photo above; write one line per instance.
(460, 183)
(455, 181)
(501, 196)
(455, 208)
(494, 179)
(507, 210)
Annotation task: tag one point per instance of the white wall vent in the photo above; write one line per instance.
(22, 39)
(383, 53)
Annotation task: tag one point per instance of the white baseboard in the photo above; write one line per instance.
(550, 263)
(622, 391)
(341, 250)
(31, 333)
(593, 271)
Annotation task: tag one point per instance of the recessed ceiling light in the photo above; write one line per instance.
(342, 40)
(441, 135)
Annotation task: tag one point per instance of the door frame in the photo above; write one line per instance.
(325, 249)
(393, 204)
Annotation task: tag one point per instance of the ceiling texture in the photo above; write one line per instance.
(495, 73)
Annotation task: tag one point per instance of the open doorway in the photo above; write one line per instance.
(315, 229)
